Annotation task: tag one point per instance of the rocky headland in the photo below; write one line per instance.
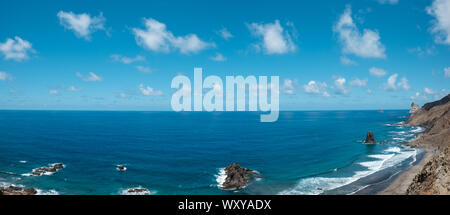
(432, 174)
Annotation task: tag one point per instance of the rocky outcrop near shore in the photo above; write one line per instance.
(414, 108)
(237, 177)
(434, 178)
(47, 170)
(15, 190)
(370, 139)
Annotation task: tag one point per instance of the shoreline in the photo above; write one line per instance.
(401, 183)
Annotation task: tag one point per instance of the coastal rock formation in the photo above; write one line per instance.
(237, 177)
(46, 170)
(370, 139)
(414, 108)
(434, 178)
(136, 191)
(121, 168)
(14, 190)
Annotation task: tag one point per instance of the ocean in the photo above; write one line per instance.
(304, 152)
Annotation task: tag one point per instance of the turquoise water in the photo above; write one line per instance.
(304, 152)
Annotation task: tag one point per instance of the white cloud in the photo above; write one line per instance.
(365, 45)
(219, 57)
(288, 87)
(225, 34)
(127, 60)
(390, 85)
(53, 92)
(377, 72)
(5, 76)
(447, 72)
(144, 69)
(440, 9)
(148, 91)
(404, 84)
(82, 24)
(346, 61)
(314, 87)
(339, 84)
(275, 40)
(388, 1)
(16, 49)
(73, 89)
(91, 77)
(358, 82)
(123, 95)
(428, 91)
(157, 38)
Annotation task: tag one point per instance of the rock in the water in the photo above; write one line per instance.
(136, 191)
(380, 111)
(46, 170)
(121, 168)
(370, 139)
(14, 190)
(237, 177)
(414, 108)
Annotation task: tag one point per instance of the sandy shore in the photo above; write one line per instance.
(402, 182)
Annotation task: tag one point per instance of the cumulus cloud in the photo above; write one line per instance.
(148, 91)
(4, 76)
(157, 38)
(16, 49)
(440, 9)
(404, 84)
(288, 87)
(377, 72)
(83, 25)
(447, 72)
(388, 1)
(127, 60)
(225, 34)
(391, 84)
(144, 69)
(314, 87)
(428, 91)
(339, 84)
(346, 61)
(366, 44)
(275, 39)
(358, 82)
(218, 57)
(92, 77)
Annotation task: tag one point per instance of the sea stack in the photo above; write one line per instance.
(369, 138)
(237, 177)
(414, 108)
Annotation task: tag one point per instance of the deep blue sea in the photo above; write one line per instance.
(304, 152)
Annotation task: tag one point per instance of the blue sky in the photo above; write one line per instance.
(122, 55)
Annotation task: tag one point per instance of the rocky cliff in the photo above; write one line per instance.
(434, 178)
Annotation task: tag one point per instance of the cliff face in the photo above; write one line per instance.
(435, 176)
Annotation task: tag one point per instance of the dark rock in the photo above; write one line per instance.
(370, 139)
(237, 177)
(15, 190)
(47, 169)
(121, 168)
(430, 105)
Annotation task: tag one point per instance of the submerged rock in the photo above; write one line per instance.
(47, 169)
(414, 108)
(370, 139)
(237, 177)
(15, 190)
